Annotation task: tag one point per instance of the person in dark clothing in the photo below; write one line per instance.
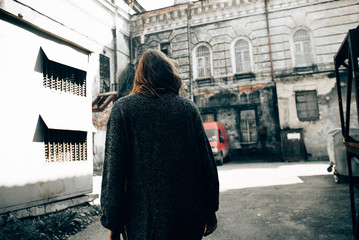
(160, 180)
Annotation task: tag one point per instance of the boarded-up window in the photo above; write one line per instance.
(248, 126)
(63, 78)
(65, 145)
(307, 105)
(302, 49)
(203, 57)
(104, 73)
(242, 57)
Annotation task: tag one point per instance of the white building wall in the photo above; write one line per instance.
(25, 177)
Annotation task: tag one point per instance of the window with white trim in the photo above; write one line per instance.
(203, 60)
(302, 49)
(242, 56)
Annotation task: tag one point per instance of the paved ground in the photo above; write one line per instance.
(289, 201)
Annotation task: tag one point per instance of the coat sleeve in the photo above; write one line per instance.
(209, 167)
(114, 173)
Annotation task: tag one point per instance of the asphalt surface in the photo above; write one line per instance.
(289, 201)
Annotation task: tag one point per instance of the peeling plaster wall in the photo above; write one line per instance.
(315, 132)
(327, 23)
(227, 104)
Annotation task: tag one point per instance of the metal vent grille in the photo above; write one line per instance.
(63, 78)
(65, 146)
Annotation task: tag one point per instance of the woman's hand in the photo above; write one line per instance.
(211, 224)
(209, 229)
(114, 235)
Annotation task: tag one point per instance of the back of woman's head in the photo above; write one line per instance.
(156, 73)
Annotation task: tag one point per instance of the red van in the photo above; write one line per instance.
(218, 138)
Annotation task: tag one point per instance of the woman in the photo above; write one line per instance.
(160, 180)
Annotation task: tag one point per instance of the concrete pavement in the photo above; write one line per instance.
(272, 201)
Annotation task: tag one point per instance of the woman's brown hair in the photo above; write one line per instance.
(156, 73)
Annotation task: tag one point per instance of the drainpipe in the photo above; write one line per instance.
(189, 48)
(269, 40)
(275, 97)
(131, 47)
(114, 35)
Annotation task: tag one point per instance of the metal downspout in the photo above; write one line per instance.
(275, 94)
(131, 47)
(269, 40)
(114, 35)
(189, 48)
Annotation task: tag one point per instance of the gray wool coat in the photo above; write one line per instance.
(159, 176)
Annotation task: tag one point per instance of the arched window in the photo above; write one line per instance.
(203, 60)
(302, 49)
(242, 56)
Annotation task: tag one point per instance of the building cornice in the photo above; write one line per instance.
(208, 12)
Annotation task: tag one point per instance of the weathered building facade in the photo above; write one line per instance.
(263, 68)
(305, 40)
(222, 51)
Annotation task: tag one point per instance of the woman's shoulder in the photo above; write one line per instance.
(137, 101)
(124, 103)
(126, 100)
(186, 103)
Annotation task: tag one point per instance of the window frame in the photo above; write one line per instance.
(102, 80)
(195, 60)
(294, 43)
(307, 118)
(233, 55)
(256, 127)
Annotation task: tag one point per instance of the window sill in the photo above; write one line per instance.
(306, 69)
(205, 81)
(246, 75)
(308, 119)
(249, 145)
